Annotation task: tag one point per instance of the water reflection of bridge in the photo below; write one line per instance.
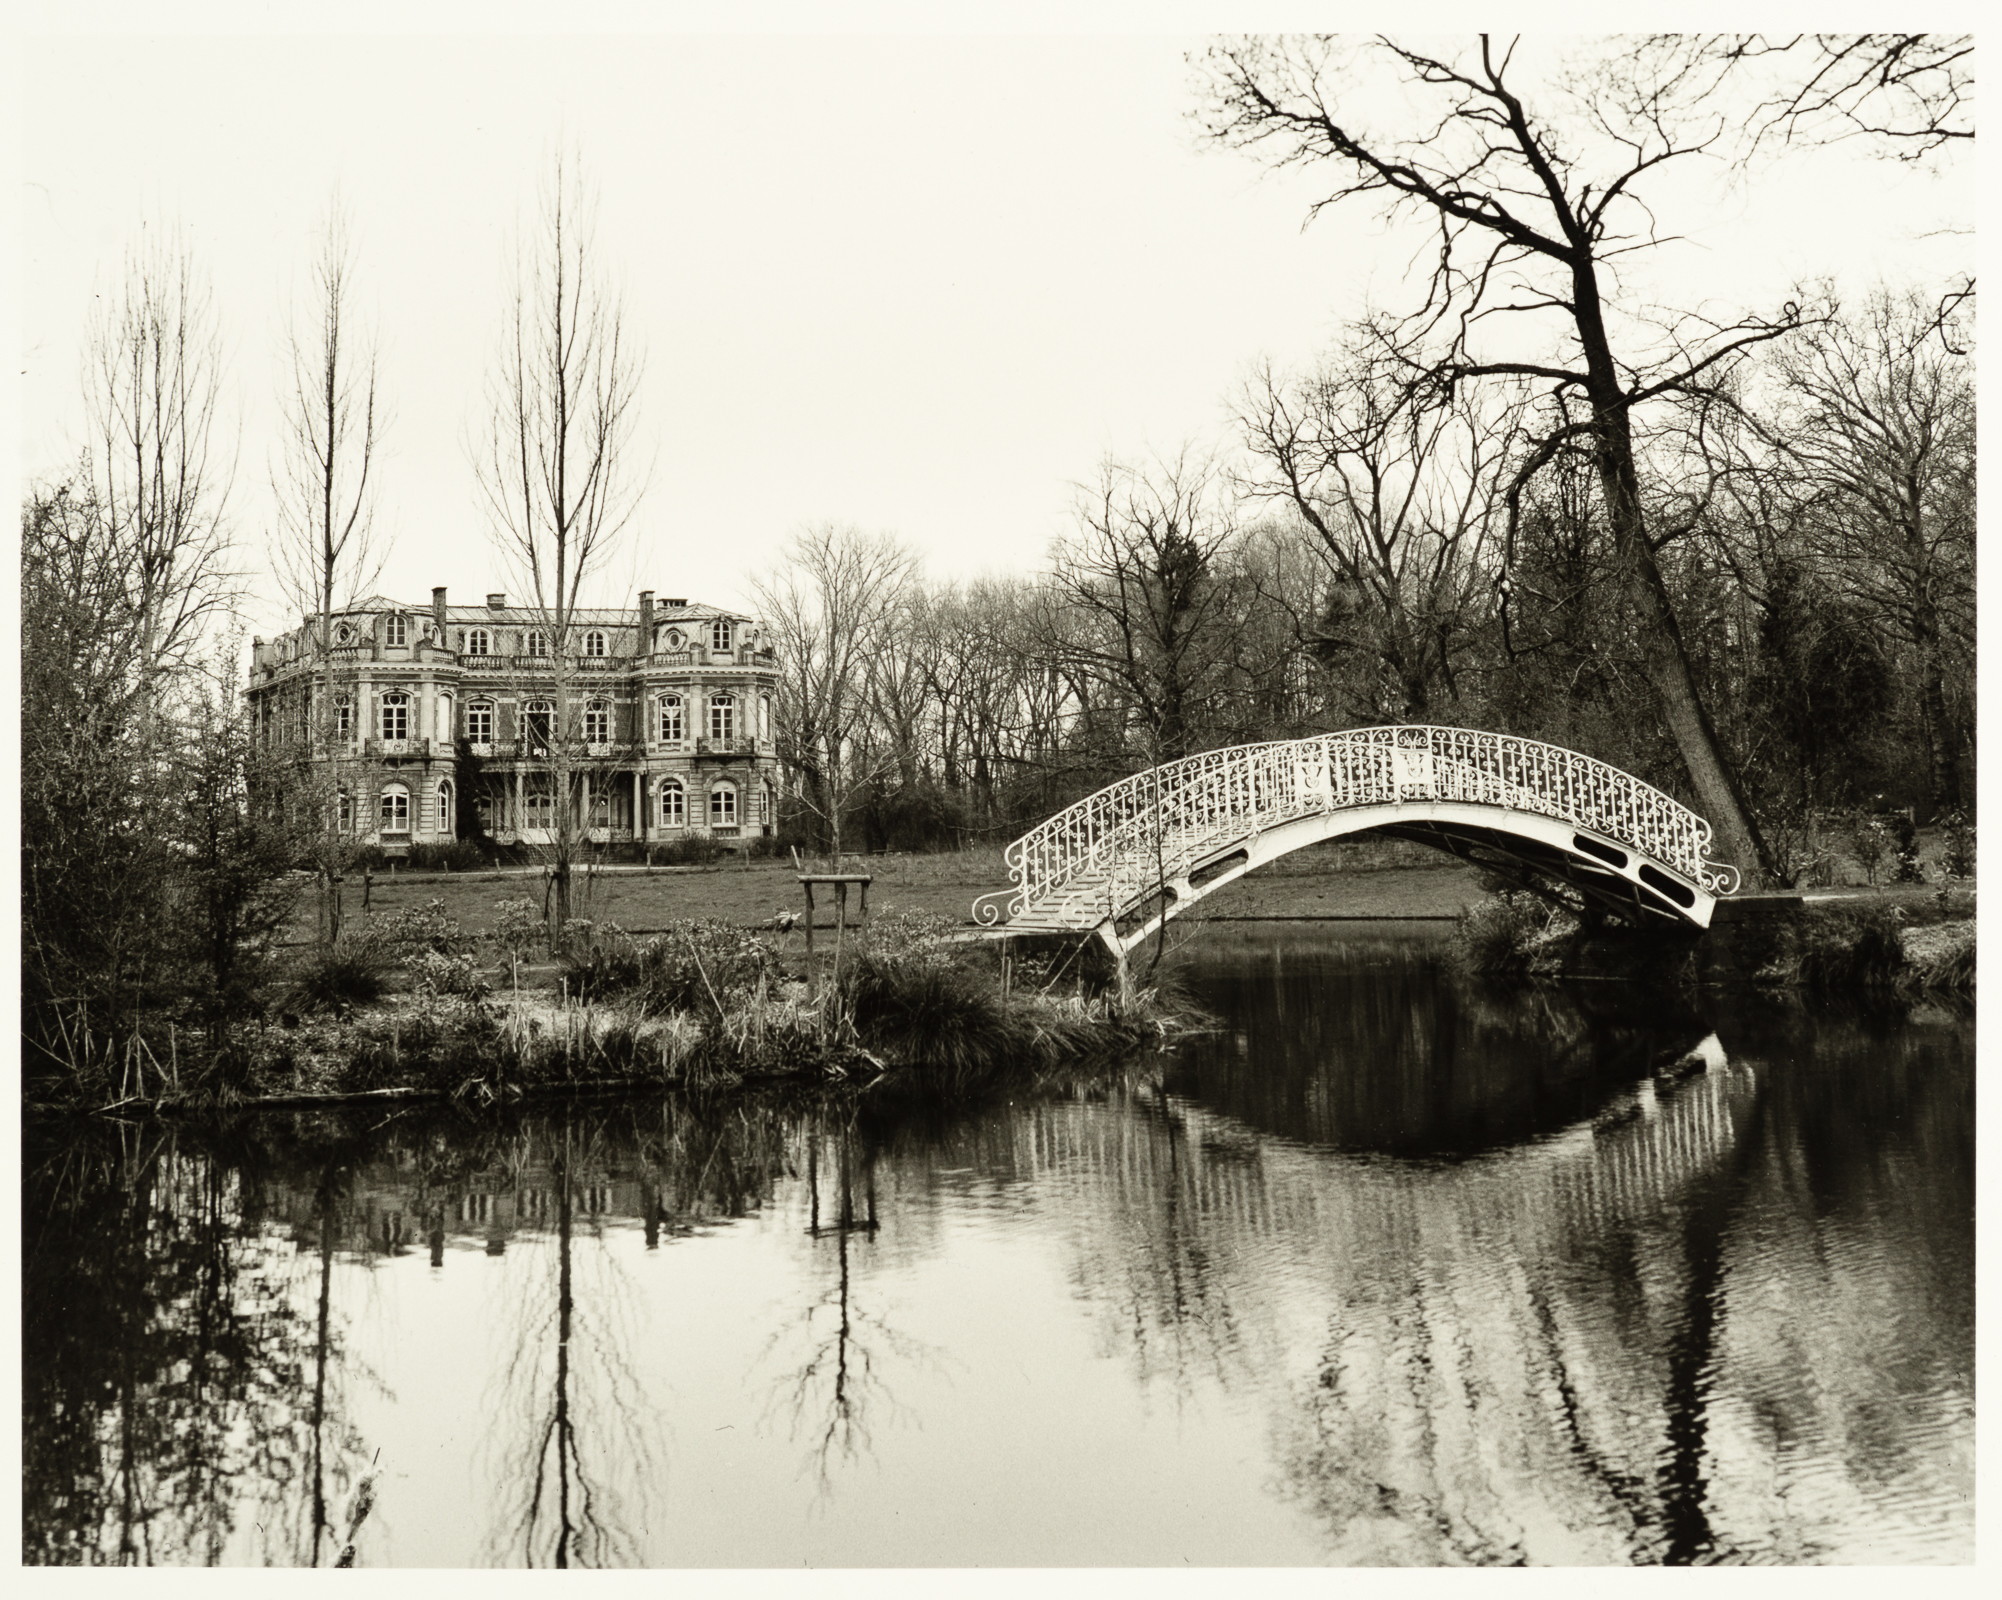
(1639, 1155)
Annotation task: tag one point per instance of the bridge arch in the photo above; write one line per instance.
(1155, 843)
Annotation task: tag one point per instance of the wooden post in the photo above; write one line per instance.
(840, 928)
(812, 972)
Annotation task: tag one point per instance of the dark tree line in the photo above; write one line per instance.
(1383, 553)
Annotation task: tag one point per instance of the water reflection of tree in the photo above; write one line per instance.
(835, 1391)
(573, 1406)
(168, 1370)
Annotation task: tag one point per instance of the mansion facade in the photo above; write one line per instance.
(669, 712)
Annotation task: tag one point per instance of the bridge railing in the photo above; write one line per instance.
(1155, 823)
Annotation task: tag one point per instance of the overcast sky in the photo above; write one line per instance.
(917, 283)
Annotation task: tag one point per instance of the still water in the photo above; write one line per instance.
(1387, 1269)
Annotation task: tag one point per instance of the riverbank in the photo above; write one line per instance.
(1886, 942)
(416, 1009)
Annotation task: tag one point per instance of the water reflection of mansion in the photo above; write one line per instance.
(387, 1214)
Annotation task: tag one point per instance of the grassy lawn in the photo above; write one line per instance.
(1323, 881)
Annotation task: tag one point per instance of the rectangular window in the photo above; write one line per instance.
(344, 721)
(722, 721)
(480, 724)
(597, 725)
(671, 725)
(395, 717)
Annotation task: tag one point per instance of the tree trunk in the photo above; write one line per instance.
(1718, 797)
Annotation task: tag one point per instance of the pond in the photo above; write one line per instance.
(1388, 1268)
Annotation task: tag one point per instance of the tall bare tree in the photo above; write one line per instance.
(830, 606)
(554, 459)
(1531, 207)
(152, 381)
(1146, 564)
(1877, 421)
(324, 552)
(1397, 485)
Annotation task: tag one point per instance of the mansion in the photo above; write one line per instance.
(669, 712)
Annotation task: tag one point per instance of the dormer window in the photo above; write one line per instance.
(536, 643)
(478, 642)
(672, 639)
(343, 634)
(719, 635)
(395, 630)
(594, 642)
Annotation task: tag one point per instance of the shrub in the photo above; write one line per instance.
(1869, 843)
(1956, 857)
(913, 936)
(439, 973)
(1844, 951)
(695, 852)
(418, 930)
(461, 855)
(935, 1016)
(349, 974)
(1908, 851)
(1496, 936)
(518, 927)
(688, 966)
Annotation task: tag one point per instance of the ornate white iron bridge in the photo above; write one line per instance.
(1143, 850)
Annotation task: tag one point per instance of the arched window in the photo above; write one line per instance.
(719, 635)
(448, 817)
(444, 730)
(536, 643)
(395, 809)
(479, 642)
(396, 718)
(597, 723)
(673, 801)
(394, 630)
(480, 722)
(723, 805)
(594, 642)
(536, 718)
(722, 719)
(673, 728)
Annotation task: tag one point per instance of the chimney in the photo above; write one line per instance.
(496, 602)
(438, 612)
(674, 602)
(646, 622)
